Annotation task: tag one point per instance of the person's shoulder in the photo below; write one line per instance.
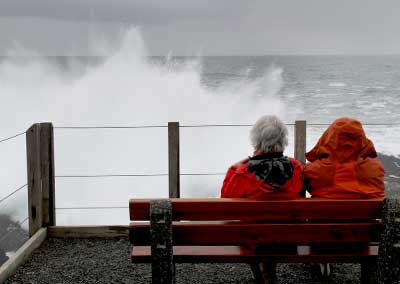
(241, 163)
(294, 161)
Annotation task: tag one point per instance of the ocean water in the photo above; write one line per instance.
(127, 87)
(320, 89)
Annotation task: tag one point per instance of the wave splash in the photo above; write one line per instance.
(126, 87)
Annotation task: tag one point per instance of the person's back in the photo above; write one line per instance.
(344, 164)
(268, 173)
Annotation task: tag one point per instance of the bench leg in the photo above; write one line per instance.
(264, 272)
(368, 272)
(162, 263)
(388, 270)
(324, 271)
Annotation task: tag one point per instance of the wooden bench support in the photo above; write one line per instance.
(368, 271)
(162, 263)
(388, 270)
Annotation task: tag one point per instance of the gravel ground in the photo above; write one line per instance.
(60, 261)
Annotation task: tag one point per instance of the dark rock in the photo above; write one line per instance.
(389, 252)
(12, 236)
(392, 175)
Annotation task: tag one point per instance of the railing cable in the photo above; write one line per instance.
(110, 175)
(364, 124)
(110, 127)
(12, 193)
(203, 174)
(216, 125)
(195, 126)
(134, 175)
(91, 207)
(11, 137)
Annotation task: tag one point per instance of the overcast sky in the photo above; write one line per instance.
(208, 27)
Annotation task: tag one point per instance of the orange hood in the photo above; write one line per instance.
(343, 164)
(344, 140)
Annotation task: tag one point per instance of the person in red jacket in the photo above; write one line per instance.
(344, 164)
(268, 173)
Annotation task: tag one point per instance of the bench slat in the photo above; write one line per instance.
(246, 209)
(236, 254)
(236, 233)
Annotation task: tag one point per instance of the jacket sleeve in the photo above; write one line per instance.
(229, 187)
(297, 178)
(319, 173)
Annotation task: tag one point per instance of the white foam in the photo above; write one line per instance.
(127, 89)
(10, 254)
(337, 84)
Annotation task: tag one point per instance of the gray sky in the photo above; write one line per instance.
(208, 27)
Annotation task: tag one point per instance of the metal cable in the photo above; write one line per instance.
(216, 125)
(111, 175)
(364, 124)
(11, 137)
(12, 193)
(91, 207)
(201, 174)
(110, 127)
(195, 126)
(134, 175)
(23, 221)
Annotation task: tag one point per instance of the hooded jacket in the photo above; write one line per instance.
(344, 164)
(264, 176)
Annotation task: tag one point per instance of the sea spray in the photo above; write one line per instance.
(127, 88)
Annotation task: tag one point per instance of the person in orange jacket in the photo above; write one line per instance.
(268, 173)
(344, 164)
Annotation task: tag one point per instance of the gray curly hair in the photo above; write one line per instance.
(269, 134)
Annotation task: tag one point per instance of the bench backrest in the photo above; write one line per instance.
(216, 221)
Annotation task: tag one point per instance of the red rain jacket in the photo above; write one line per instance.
(343, 164)
(241, 182)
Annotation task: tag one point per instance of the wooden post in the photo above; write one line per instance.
(300, 144)
(34, 178)
(300, 140)
(47, 173)
(173, 159)
(162, 259)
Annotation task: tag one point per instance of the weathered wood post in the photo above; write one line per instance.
(34, 179)
(300, 140)
(162, 262)
(173, 160)
(47, 173)
(40, 167)
(300, 130)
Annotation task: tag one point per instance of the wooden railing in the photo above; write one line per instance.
(40, 165)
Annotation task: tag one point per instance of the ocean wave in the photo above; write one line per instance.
(128, 88)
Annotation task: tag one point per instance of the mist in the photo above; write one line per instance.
(125, 88)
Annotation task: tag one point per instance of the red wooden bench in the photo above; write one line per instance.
(165, 232)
